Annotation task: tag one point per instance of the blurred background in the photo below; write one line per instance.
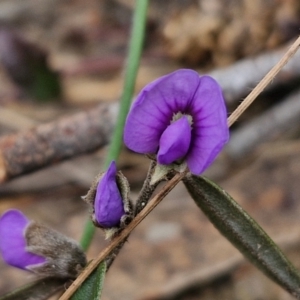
(60, 58)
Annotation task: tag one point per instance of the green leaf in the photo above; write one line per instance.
(243, 232)
(92, 287)
(137, 37)
(38, 290)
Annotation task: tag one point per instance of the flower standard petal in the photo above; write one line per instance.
(210, 129)
(174, 142)
(12, 241)
(108, 204)
(154, 107)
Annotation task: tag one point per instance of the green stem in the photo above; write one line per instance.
(88, 233)
(134, 55)
(135, 50)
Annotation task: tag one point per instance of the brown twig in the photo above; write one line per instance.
(49, 143)
(264, 82)
(81, 170)
(119, 239)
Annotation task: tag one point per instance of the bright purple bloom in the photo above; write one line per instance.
(13, 225)
(180, 117)
(108, 205)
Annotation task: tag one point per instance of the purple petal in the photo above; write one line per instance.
(154, 107)
(12, 241)
(210, 132)
(108, 202)
(174, 142)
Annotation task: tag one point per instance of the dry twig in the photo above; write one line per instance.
(80, 170)
(49, 143)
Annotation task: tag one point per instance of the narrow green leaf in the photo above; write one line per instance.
(243, 232)
(38, 290)
(134, 54)
(92, 287)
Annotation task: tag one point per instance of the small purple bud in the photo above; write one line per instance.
(108, 197)
(175, 141)
(13, 243)
(108, 205)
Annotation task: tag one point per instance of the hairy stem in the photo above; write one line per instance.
(147, 190)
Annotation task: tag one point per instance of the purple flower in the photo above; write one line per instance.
(108, 205)
(180, 117)
(13, 244)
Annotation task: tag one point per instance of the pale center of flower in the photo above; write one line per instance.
(179, 115)
(175, 141)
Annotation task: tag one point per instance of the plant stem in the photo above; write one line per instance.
(147, 190)
(135, 50)
(134, 55)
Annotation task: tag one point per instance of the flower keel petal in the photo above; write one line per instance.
(174, 142)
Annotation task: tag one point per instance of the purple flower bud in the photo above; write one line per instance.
(108, 205)
(180, 117)
(34, 247)
(13, 243)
